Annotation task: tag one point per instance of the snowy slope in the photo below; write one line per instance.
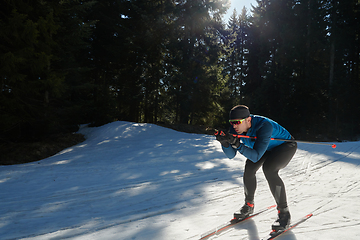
(142, 181)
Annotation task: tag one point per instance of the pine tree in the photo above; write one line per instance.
(37, 57)
(236, 60)
(343, 44)
(195, 52)
(28, 79)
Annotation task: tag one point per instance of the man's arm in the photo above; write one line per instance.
(263, 137)
(230, 152)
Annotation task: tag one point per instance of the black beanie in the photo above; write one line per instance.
(239, 112)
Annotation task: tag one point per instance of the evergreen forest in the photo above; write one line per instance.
(69, 62)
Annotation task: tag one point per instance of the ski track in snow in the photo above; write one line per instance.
(142, 181)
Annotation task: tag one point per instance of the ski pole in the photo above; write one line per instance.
(278, 139)
(289, 140)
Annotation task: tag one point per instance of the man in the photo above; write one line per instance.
(259, 151)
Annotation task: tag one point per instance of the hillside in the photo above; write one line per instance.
(142, 181)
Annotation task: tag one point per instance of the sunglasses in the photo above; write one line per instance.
(236, 121)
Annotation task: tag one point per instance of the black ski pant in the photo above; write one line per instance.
(272, 161)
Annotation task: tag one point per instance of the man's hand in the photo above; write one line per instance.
(227, 139)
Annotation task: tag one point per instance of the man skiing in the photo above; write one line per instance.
(261, 151)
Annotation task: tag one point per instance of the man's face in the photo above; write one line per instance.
(243, 126)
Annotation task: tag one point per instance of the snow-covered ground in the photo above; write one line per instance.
(142, 181)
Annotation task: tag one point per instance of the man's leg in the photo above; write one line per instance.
(249, 188)
(277, 159)
(249, 177)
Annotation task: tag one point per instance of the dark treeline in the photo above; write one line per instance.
(64, 63)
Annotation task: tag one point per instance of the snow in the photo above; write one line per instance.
(142, 181)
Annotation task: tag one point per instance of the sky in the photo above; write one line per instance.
(239, 4)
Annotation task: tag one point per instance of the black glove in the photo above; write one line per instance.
(236, 143)
(227, 139)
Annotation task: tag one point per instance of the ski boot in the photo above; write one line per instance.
(245, 211)
(283, 220)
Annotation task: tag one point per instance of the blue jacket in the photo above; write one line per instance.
(263, 129)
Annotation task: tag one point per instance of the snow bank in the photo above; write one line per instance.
(142, 181)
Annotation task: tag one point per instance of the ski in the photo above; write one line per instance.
(274, 234)
(231, 223)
